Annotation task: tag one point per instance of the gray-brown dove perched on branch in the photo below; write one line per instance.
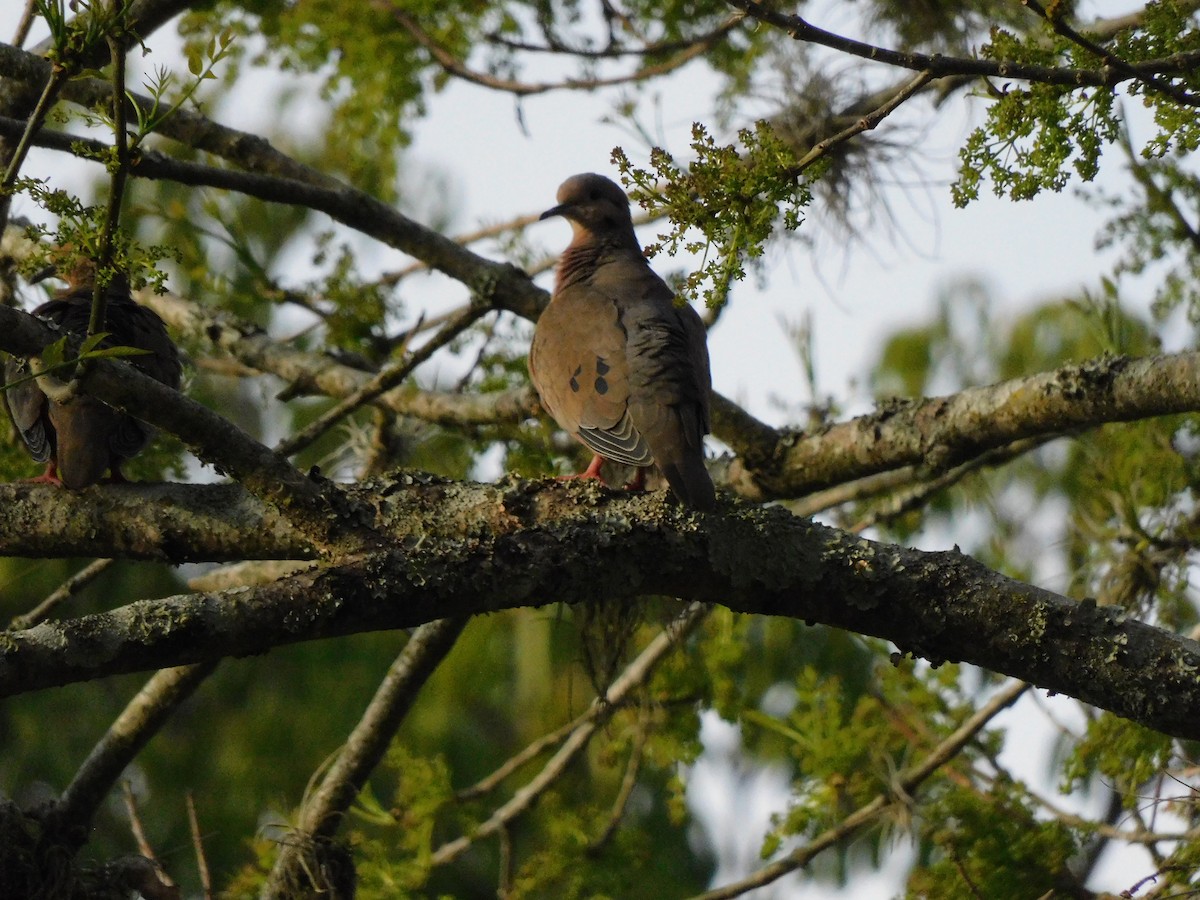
(82, 438)
(614, 360)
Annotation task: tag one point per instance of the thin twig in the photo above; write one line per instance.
(387, 379)
(904, 787)
(453, 66)
(324, 810)
(504, 891)
(141, 719)
(25, 23)
(635, 674)
(390, 279)
(135, 821)
(866, 123)
(144, 872)
(198, 844)
(110, 234)
(964, 874)
(919, 495)
(490, 782)
(62, 593)
(852, 491)
(1157, 198)
(612, 51)
(488, 231)
(628, 783)
(58, 77)
(1060, 26)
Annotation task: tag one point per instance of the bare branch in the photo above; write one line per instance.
(613, 50)
(920, 493)
(62, 593)
(138, 722)
(198, 844)
(867, 122)
(323, 812)
(634, 676)
(531, 751)
(24, 24)
(243, 149)
(501, 284)
(453, 66)
(314, 373)
(135, 822)
(944, 431)
(386, 379)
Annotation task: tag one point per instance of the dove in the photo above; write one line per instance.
(615, 361)
(83, 438)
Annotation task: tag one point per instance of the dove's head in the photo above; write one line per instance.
(593, 205)
(78, 270)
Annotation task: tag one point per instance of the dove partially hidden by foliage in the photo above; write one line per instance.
(82, 438)
(614, 360)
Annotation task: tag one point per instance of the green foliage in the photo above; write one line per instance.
(1036, 136)
(79, 228)
(991, 844)
(201, 63)
(1168, 28)
(1127, 490)
(15, 463)
(1155, 229)
(730, 200)
(849, 746)
(57, 361)
(395, 843)
(359, 311)
(372, 105)
(73, 36)
(557, 846)
(1124, 753)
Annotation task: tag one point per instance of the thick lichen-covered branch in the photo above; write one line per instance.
(942, 432)
(461, 550)
(164, 522)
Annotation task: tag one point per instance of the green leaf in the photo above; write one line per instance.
(114, 353)
(54, 354)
